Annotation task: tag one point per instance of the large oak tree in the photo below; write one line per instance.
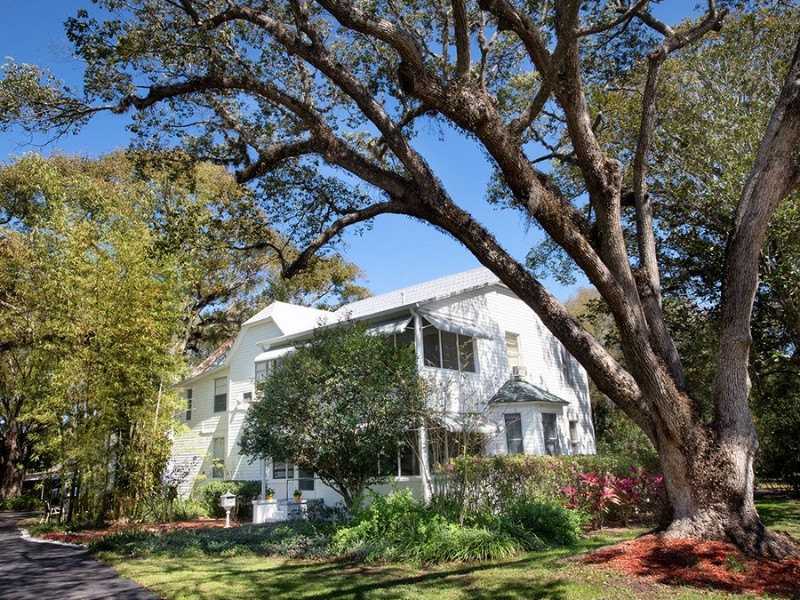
(277, 90)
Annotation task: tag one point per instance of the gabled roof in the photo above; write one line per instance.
(519, 390)
(289, 318)
(215, 359)
(428, 291)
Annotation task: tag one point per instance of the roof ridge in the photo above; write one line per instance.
(440, 287)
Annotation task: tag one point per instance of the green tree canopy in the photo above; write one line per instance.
(339, 406)
(110, 269)
(91, 312)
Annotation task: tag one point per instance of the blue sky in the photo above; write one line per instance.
(396, 252)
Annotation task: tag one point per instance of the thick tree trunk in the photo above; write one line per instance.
(709, 482)
(13, 456)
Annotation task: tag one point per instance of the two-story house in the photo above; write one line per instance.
(501, 383)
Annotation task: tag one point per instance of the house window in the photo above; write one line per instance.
(187, 395)
(404, 464)
(512, 350)
(566, 367)
(573, 437)
(407, 463)
(514, 440)
(550, 433)
(264, 369)
(220, 395)
(447, 350)
(305, 480)
(218, 458)
(282, 470)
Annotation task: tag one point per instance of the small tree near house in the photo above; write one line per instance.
(336, 406)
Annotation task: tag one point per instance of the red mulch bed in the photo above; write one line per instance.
(87, 535)
(715, 565)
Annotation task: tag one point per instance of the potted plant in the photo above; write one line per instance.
(298, 494)
(269, 493)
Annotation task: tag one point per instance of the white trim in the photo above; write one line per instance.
(272, 354)
(392, 327)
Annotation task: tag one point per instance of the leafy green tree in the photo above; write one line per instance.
(275, 90)
(228, 253)
(338, 406)
(712, 103)
(91, 313)
(99, 257)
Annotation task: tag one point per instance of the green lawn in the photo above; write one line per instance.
(544, 575)
(780, 514)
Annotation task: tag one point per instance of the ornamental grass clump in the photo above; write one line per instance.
(399, 528)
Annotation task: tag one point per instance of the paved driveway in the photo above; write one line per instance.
(44, 571)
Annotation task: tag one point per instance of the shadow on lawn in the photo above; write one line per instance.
(335, 581)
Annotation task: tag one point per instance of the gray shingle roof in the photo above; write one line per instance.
(519, 390)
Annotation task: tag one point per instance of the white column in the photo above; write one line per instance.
(422, 437)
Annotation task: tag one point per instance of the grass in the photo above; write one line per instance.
(779, 513)
(553, 574)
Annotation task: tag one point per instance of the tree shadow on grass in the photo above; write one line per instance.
(338, 581)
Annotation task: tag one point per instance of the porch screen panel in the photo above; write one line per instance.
(449, 350)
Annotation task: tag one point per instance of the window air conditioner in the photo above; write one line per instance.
(519, 371)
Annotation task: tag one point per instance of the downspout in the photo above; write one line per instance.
(422, 437)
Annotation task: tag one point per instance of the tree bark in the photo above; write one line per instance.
(709, 482)
(13, 457)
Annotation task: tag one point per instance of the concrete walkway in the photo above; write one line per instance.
(42, 571)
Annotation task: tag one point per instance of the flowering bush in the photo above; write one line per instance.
(620, 497)
(605, 488)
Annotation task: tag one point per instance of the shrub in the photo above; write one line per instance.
(449, 542)
(296, 539)
(318, 512)
(245, 491)
(602, 486)
(537, 522)
(397, 527)
(188, 510)
(619, 498)
(20, 503)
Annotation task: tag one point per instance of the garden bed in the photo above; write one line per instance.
(713, 565)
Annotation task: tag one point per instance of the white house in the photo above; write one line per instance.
(501, 383)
